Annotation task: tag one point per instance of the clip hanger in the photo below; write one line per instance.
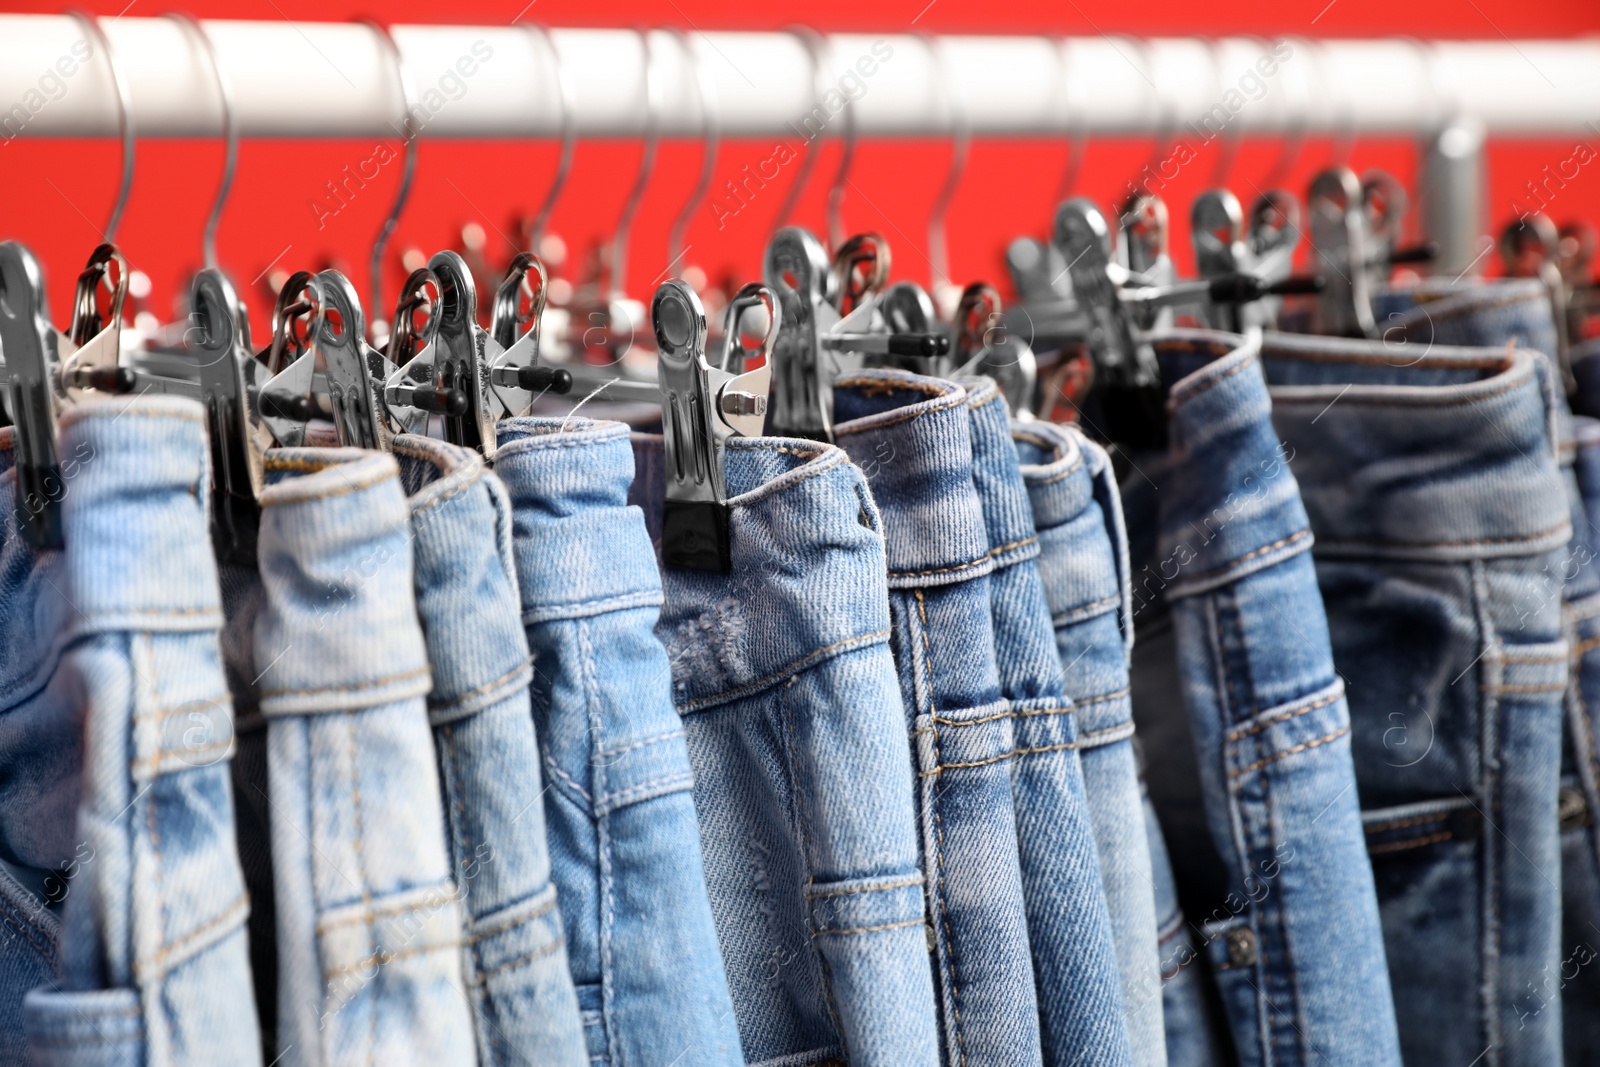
(288, 401)
(409, 364)
(984, 345)
(92, 347)
(701, 407)
(858, 276)
(465, 352)
(230, 385)
(798, 271)
(28, 344)
(516, 376)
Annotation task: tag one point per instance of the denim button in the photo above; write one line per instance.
(933, 942)
(1572, 808)
(1242, 947)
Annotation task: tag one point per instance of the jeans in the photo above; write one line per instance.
(624, 843)
(369, 924)
(515, 957)
(1084, 567)
(1193, 1038)
(1411, 318)
(912, 438)
(1577, 978)
(782, 674)
(1432, 483)
(1295, 945)
(113, 667)
(1069, 927)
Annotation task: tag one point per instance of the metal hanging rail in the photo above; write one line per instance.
(311, 79)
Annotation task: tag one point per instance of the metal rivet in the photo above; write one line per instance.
(1242, 947)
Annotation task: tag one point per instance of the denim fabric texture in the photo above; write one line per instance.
(1577, 978)
(1194, 1036)
(1474, 312)
(525, 1009)
(1432, 482)
(122, 676)
(782, 674)
(1083, 564)
(1297, 947)
(624, 843)
(911, 436)
(369, 924)
(41, 758)
(1069, 927)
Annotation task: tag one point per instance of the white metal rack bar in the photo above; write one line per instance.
(306, 79)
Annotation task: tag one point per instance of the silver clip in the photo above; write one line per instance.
(410, 387)
(288, 401)
(701, 407)
(516, 376)
(355, 370)
(797, 269)
(1338, 234)
(28, 343)
(465, 352)
(230, 385)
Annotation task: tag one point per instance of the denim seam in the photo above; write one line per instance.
(1083, 611)
(505, 679)
(954, 401)
(582, 437)
(1283, 542)
(1284, 717)
(1278, 913)
(588, 609)
(1429, 398)
(17, 918)
(1273, 350)
(384, 957)
(1065, 709)
(555, 769)
(805, 851)
(672, 783)
(1416, 842)
(872, 929)
(457, 833)
(824, 462)
(340, 490)
(1489, 790)
(1275, 757)
(526, 958)
(587, 672)
(356, 687)
(804, 663)
(1180, 394)
(511, 924)
(918, 880)
(1564, 526)
(368, 913)
(641, 743)
(157, 966)
(938, 822)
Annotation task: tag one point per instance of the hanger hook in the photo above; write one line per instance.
(647, 166)
(938, 245)
(91, 26)
(1077, 133)
(812, 40)
(230, 133)
(569, 136)
(376, 326)
(1228, 150)
(710, 135)
(836, 232)
(1293, 146)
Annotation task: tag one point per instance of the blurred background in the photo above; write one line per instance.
(477, 196)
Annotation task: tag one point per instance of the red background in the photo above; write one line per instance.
(55, 194)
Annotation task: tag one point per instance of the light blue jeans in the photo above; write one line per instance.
(521, 992)
(803, 778)
(1083, 560)
(369, 918)
(912, 437)
(624, 842)
(124, 654)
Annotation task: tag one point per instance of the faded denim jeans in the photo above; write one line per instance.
(624, 841)
(123, 647)
(782, 675)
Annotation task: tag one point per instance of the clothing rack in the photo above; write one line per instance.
(309, 79)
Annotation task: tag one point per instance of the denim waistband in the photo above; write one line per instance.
(807, 557)
(1006, 511)
(910, 436)
(473, 664)
(1478, 312)
(1449, 453)
(336, 532)
(1222, 442)
(131, 470)
(577, 506)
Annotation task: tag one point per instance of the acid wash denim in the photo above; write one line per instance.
(911, 436)
(1296, 947)
(782, 673)
(466, 581)
(1075, 962)
(1442, 523)
(624, 842)
(1083, 562)
(369, 925)
(113, 671)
